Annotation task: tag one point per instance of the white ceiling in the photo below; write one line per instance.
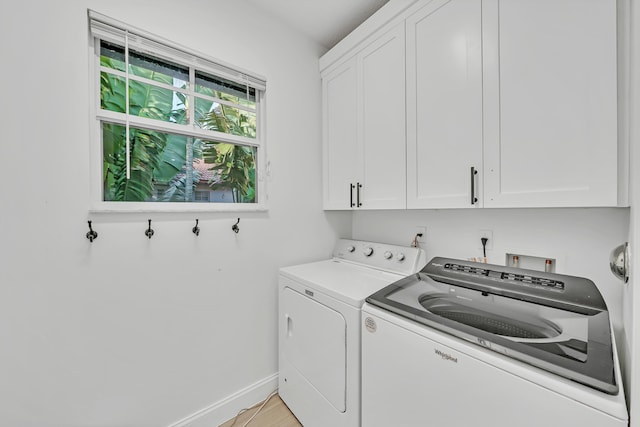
(325, 21)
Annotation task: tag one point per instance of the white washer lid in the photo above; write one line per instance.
(343, 280)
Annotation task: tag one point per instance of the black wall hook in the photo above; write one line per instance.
(196, 229)
(149, 232)
(235, 227)
(91, 235)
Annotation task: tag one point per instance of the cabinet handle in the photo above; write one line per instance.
(358, 194)
(351, 195)
(474, 172)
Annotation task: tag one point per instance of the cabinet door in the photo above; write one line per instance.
(550, 103)
(340, 135)
(444, 104)
(382, 79)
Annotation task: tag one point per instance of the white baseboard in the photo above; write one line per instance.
(227, 408)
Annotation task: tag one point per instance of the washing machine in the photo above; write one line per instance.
(319, 327)
(471, 344)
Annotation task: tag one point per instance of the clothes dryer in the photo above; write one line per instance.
(319, 327)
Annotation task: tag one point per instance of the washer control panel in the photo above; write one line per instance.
(394, 258)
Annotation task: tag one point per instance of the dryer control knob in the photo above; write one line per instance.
(368, 251)
(351, 249)
(400, 256)
(388, 255)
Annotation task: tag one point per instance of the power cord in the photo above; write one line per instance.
(262, 405)
(414, 243)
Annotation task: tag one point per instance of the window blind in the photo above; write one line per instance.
(111, 30)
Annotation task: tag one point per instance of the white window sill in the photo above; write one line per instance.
(155, 207)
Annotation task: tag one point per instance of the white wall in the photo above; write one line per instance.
(631, 306)
(127, 331)
(579, 239)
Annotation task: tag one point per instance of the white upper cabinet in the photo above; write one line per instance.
(444, 104)
(383, 122)
(364, 127)
(522, 92)
(550, 124)
(340, 136)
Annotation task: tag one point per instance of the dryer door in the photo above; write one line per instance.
(315, 344)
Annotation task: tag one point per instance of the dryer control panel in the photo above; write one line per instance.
(393, 258)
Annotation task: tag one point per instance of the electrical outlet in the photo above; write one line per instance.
(489, 235)
(421, 230)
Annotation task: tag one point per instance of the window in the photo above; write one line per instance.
(172, 127)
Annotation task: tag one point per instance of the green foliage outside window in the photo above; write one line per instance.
(162, 165)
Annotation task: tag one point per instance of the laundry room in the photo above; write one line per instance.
(121, 307)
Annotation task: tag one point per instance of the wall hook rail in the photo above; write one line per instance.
(91, 234)
(196, 229)
(235, 227)
(149, 232)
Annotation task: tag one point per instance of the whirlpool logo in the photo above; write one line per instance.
(446, 356)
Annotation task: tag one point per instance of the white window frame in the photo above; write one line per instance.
(104, 28)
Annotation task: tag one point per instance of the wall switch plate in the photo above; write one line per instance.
(489, 235)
